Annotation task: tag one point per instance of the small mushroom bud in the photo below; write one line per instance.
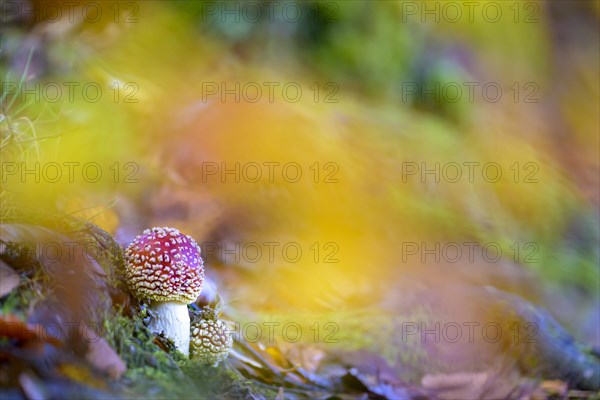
(164, 266)
(211, 341)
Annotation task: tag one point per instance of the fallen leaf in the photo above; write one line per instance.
(308, 356)
(9, 279)
(81, 374)
(552, 389)
(102, 356)
(355, 382)
(14, 328)
(555, 388)
(473, 385)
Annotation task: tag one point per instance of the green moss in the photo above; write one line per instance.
(154, 373)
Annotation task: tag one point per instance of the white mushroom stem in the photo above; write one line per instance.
(173, 319)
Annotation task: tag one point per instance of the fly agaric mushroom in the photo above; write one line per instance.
(211, 340)
(164, 266)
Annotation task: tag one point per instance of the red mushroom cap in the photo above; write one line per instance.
(164, 265)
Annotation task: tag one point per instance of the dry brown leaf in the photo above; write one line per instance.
(81, 374)
(470, 385)
(9, 279)
(555, 388)
(194, 212)
(102, 356)
(14, 328)
(306, 355)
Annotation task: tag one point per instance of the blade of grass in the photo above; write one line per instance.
(21, 81)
